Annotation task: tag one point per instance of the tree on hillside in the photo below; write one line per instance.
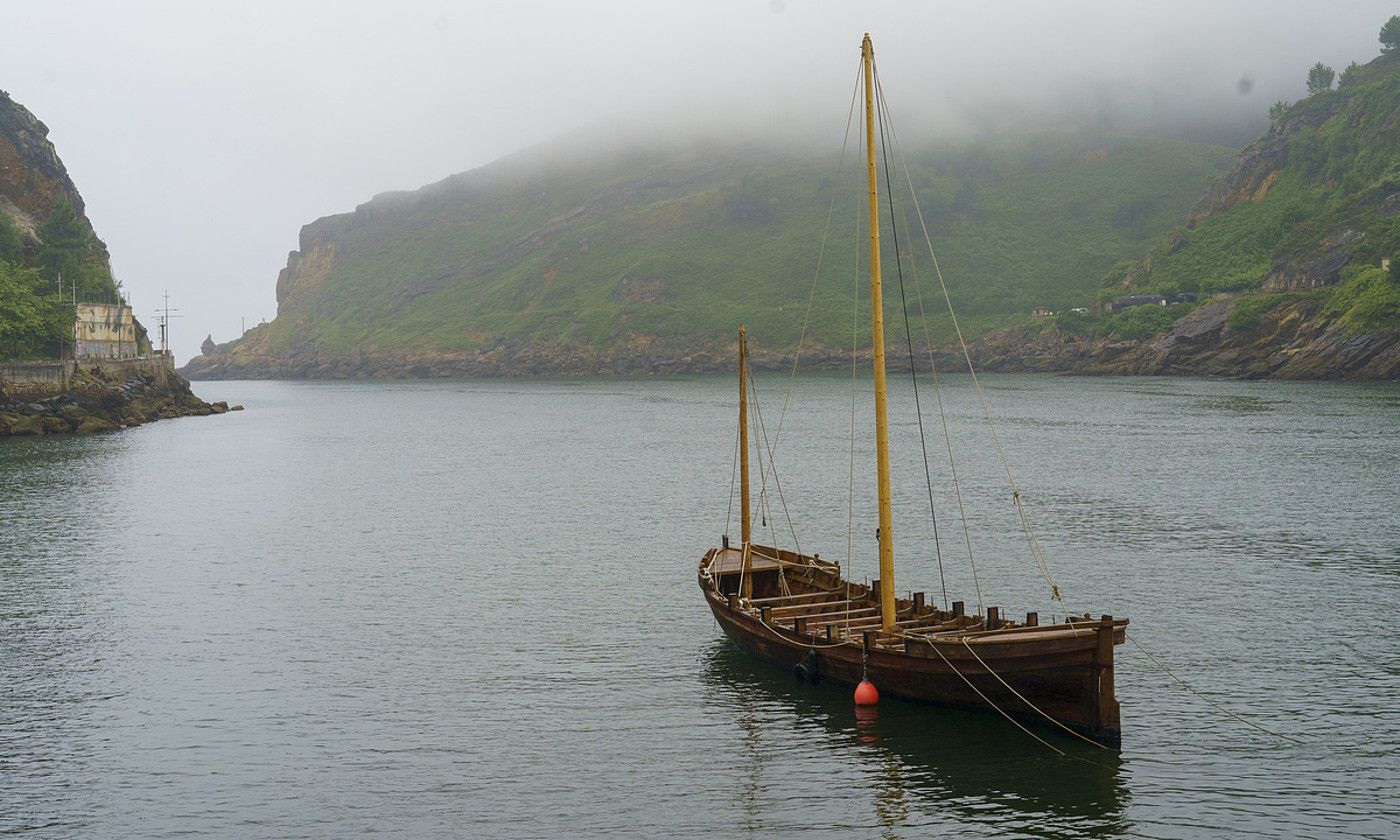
(11, 240)
(1349, 75)
(67, 249)
(1320, 78)
(1390, 35)
(1278, 109)
(31, 326)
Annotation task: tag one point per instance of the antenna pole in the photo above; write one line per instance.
(877, 326)
(164, 314)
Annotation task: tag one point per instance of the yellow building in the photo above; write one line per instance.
(104, 331)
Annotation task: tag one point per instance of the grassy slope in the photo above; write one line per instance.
(1334, 179)
(684, 244)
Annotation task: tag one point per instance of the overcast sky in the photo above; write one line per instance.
(203, 134)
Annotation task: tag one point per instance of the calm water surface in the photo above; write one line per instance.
(448, 609)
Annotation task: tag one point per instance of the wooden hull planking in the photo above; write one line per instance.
(1064, 670)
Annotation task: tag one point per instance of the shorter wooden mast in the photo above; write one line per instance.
(745, 522)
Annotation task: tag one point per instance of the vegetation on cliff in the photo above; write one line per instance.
(1318, 192)
(46, 242)
(668, 248)
(1284, 258)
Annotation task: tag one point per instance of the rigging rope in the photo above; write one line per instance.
(772, 465)
(909, 344)
(1037, 555)
(821, 253)
(764, 505)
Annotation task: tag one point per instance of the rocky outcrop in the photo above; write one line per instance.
(1321, 267)
(307, 267)
(32, 177)
(1258, 165)
(1293, 340)
(98, 402)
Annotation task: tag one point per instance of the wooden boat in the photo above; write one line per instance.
(799, 612)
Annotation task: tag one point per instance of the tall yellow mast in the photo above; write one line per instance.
(745, 524)
(877, 318)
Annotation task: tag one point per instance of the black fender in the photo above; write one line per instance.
(809, 669)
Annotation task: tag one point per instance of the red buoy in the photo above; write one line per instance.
(866, 695)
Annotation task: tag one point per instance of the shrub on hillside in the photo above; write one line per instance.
(1367, 302)
(1141, 322)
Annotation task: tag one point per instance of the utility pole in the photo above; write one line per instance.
(163, 316)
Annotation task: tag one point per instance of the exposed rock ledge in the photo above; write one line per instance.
(1293, 340)
(96, 402)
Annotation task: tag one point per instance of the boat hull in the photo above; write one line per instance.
(1063, 673)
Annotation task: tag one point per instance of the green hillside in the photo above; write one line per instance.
(674, 246)
(1310, 210)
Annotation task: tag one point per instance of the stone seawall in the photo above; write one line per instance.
(58, 373)
(55, 374)
(160, 366)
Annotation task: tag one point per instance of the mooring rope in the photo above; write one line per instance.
(1187, 686)
(989, 702)
(1022, 698)
(1008, 716)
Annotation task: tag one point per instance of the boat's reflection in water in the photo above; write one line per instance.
(921, 764)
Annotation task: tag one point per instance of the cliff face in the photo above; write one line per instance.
(1318, 192)
(1294, 340)
(32, 177)
(1258, 166)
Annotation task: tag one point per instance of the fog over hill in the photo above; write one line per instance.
(206, 134)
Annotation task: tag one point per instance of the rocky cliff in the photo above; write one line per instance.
(1295, 339)
(45, 237)
(33, 180)
(1292, 254)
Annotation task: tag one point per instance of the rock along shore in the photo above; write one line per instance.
(94, 401)
(1294, 340)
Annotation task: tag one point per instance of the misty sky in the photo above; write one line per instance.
(203, 135)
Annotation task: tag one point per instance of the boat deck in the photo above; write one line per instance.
(846, 612)
(729, 561)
